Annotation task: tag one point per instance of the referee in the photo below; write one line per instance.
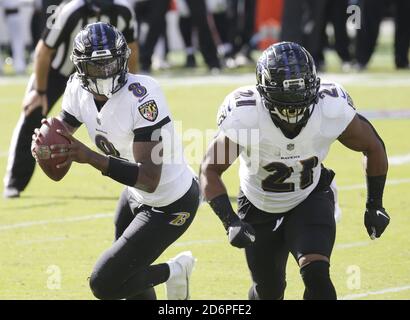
(52, 68)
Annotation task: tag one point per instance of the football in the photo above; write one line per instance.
(49, 136)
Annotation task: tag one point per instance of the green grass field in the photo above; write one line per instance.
(51, 237)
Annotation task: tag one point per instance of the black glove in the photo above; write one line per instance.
(241, 234)
(376, 220)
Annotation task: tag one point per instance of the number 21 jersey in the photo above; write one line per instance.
(277, 173)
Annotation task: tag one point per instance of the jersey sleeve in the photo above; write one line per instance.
(338, 110)
(70, 112)
(237, 118)
(151, 112)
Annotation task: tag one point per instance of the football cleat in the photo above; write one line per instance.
(177, 285)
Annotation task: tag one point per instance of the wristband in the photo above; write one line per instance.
(223, 209)
(375, 187)
(122, 171)
(41, 92)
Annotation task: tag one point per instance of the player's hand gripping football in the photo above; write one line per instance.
(75, 151)
(36, 138)
(241, 234)
(376, 220)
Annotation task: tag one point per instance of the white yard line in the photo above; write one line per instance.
(342, 246)
(399, 159)
(373, 293)
(51, 239)
(193, 242)
(62, 220)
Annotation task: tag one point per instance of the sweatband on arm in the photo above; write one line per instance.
(122, 171)
(223, 209)
(375, 187)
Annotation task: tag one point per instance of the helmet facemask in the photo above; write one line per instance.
(102, 74)
(291, 103)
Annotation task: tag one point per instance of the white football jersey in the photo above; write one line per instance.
(277, 173)
(136, 109)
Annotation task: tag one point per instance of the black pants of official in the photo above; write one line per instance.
(142, 233)
(156, 22)
(21, 163)
(294, 16)
(372, 14)
(309, 228)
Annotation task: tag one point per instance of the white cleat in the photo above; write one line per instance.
(178, 283)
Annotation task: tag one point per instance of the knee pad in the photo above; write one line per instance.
(261, 292)
(316, 278)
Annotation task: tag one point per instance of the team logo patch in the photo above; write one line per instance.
(290, 146)
(149, 110)
(180, 219)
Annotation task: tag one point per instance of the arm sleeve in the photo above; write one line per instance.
(70, 119)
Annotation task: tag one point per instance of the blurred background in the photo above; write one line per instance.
(174, 35)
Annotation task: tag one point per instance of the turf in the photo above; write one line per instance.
(51, 236)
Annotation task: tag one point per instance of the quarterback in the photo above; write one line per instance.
(281, 130)
(127, 118)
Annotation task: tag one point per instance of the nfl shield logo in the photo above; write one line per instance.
(290, 146)
(149, 110)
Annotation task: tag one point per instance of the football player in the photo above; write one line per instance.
(128, 119)
(282, 130)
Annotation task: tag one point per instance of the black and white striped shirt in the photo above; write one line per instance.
(71, 16)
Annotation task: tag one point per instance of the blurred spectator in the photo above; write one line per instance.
(323, 12)
(294, 19)
(14, 25)
(52, 68)
(372, 13)
(156, 23)
(241, 27)
(218, 10)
